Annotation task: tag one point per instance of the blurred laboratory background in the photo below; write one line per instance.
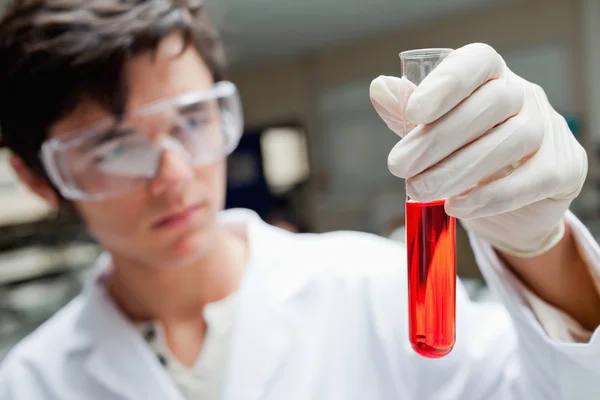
(313, 157)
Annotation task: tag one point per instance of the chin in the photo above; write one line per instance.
(191, 247)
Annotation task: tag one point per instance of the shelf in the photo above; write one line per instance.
(36, 262)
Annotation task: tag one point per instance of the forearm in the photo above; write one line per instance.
(561, 278)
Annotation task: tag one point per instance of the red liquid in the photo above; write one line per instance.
(431, 248)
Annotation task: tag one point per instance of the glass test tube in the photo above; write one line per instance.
(431, 248)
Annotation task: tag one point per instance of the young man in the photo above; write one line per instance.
(118, 109)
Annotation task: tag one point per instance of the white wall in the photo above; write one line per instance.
(548, 65)
(590, 24)
(327, 91)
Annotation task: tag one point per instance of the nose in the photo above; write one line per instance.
(173, 172)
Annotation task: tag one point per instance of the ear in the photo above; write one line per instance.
(35, 183)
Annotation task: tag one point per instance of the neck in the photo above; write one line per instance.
(179, 293)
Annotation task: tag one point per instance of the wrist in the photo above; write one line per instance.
(532, 246)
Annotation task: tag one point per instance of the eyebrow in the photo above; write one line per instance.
(107, 136)
(194, 107)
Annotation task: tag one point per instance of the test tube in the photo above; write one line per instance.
(431, 248)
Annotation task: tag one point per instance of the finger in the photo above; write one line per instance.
(499, 150)
(459, 75)
(556, 171)
(533, 181)
(427, 145)
(389, 96)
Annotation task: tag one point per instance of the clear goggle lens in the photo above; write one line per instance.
(112, 158)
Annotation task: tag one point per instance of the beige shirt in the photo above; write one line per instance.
(203, 380)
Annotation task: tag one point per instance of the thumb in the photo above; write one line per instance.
(389, 96)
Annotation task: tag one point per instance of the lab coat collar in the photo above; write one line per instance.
(272, 257)
(265, 326)
(263, 330)
(118, 358)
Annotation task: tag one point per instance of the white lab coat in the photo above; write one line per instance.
(320, 317)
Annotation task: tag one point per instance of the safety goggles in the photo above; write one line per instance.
(113, 157)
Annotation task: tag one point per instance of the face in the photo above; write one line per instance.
(172, 219)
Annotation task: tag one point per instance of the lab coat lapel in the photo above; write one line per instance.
(119, 359)
(263, 333)
(262, 338)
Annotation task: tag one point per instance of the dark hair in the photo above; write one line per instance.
(55, 53)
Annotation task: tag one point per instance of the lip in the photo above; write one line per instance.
(178, 218)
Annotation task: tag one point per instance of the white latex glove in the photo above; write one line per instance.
(489, 142)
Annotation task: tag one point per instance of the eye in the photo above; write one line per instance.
(191, 122)
(195, 120)
(112, 152)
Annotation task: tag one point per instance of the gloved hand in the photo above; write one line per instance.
(489, 142)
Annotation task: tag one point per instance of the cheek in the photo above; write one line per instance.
(110, 221)
(118, 224)
(215, 178)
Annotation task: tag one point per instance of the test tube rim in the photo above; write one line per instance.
(424, 53)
